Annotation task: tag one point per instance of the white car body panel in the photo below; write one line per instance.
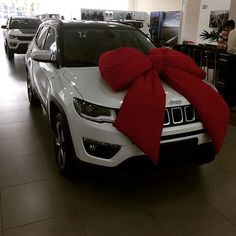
(17, 38)
(64, 84)
(87, 84)
(94, 89)
(16, 33)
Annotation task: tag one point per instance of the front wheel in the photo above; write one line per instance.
(64, 150)
(10, 54)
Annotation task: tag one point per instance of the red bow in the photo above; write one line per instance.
(141, 115)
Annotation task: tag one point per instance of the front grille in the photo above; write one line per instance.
(25, 38)
(22, 48)
(180, 115)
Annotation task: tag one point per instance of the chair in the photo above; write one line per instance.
(208, 57)
(216, 59)
(230, 81)
(194, 51)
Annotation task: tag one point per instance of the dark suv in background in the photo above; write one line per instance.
(19, 32)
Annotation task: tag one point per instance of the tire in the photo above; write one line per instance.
(63, 146)
(32, 97)
(5, 47)
(10, 55)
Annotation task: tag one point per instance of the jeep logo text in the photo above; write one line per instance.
(176, 102)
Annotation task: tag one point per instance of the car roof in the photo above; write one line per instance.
(86, 23)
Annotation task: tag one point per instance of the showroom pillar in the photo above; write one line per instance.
(191, 11)
(232, 11)
(132, 5)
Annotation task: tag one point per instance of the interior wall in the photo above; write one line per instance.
(232, 11)
(74, 6)
(204, 16)
(157, 5)
(195, 18)
(132, 5)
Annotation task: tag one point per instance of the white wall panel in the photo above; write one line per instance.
(157, 5)
(190, 20)
(232, 12)
(72, 8)
(204, 17)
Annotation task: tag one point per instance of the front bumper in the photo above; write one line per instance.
(82, 129)
(19, 47)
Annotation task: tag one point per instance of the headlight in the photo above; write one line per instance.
(12, 37)
(94, 112)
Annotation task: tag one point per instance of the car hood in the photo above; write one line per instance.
(22, 32)
(90, 85)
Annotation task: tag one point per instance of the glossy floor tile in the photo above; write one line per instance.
(225, 228)
(28, 203)
(220, 191)
(0, 220)
(183, 213)
(119, 220)
(233, 220)
(25, 169)
(133, 200)
(65, 225)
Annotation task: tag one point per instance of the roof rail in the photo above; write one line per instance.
(56, 20)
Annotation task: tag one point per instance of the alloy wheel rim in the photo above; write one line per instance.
(60, 145)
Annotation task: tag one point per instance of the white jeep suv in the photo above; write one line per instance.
(63, 75)
(18, 33)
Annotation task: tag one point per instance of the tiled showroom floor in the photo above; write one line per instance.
(36, 200)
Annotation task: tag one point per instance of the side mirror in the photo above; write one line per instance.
(42, 56)
(3, 26)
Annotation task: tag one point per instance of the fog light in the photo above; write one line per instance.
(100, 149)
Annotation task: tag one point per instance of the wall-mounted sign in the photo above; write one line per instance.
(204, 6)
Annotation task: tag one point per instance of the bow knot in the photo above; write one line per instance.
(141, 115)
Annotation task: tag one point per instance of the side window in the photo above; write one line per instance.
(51, 38)
(7, 23)
(50, 43)
(37, 34)
(41, 37)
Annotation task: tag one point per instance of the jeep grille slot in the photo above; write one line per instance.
(177, 115)
(189, 113)
(180, 115)
(167, 118)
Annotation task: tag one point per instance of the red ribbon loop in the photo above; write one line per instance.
(141, 115)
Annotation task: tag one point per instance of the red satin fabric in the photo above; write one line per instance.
(141, 115)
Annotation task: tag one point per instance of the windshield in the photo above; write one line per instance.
(83, 47)
(25, 24)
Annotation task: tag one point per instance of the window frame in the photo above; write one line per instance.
(54, 30)
(38, 35)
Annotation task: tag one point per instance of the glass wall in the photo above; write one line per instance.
(17, 8)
